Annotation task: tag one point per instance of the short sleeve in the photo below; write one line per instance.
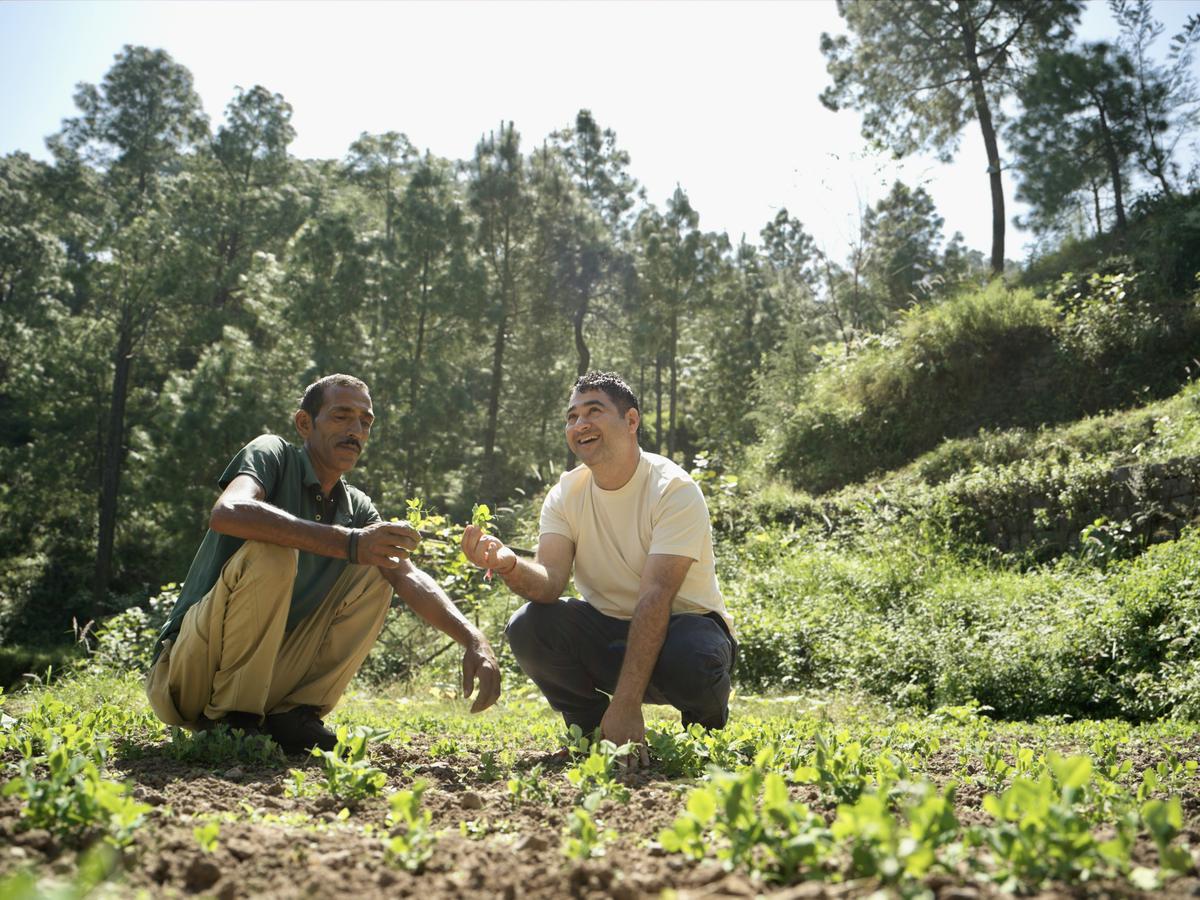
(367, 514)
(554, 520)
(680, 522)
(262, 459)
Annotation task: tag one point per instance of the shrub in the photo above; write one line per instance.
(125, 642)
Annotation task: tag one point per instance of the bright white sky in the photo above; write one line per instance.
(719, 97)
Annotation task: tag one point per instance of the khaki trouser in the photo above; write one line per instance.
(232, 653)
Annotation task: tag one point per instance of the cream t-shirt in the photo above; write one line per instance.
(659, 510)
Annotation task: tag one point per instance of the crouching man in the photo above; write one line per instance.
(291, 586)
(652, 625)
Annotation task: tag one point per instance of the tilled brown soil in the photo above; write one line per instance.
(274, 845)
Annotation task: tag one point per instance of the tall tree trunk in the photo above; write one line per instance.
(674, 384)
(1096, 209)
(1114, 166)
(658, 402)
(1159, 168)
(114, 457)
(641, 393)
(493, 414)
(984, 113)
(414, 381)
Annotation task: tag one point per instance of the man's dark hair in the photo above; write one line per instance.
(314, 394)
(612, 384)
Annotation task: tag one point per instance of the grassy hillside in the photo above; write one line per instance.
(1113, 332)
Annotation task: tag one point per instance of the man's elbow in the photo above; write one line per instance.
(544, 596)
(224, 516)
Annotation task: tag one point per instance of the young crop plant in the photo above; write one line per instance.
(1043, 831)
(842, 769)
(688, 753)
(895, 849)
(747, 819)
(412, 837)
(595, 776)
(74, 798)
(585, 838)
(677, 755)
(349, 775)
(489, 768)
(445, 748)
(221, 745)
(528, 787)
(207, 836)
(1164, 821)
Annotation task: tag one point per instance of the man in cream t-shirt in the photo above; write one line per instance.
(652, 625)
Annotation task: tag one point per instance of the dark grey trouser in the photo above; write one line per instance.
(573, 652)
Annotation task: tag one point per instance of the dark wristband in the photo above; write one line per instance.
(352, 547)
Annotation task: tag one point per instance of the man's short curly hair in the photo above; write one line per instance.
(314, 394)
(612, 384)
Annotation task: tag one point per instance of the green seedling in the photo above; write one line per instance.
(349, 775)
(206, 836)
(596, 774)
(527, 787)
(412, 838)
(585, 838)
(74, 798)
(489, 768)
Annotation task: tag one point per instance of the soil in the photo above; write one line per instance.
(275, 845)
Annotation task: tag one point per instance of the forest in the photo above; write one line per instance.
(953, 495)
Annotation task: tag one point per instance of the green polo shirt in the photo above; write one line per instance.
(287, 477)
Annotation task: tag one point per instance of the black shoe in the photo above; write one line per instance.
(247, 722)
(299, 730)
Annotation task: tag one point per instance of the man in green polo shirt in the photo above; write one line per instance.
(292, 584)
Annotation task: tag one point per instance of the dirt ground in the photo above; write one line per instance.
(275, 845)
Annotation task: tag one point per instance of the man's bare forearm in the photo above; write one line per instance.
(257, 520)
(531, 580)
(647, 631)
(423, 596)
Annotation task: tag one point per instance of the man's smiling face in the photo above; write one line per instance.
(596, 429)
(338, 434)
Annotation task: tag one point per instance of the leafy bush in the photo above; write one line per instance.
(125, 642)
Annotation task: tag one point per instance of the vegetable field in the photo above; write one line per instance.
(804, 796)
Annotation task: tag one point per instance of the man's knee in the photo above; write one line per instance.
(272, 556)
(524, 630)
(268, 570)
(536, 630)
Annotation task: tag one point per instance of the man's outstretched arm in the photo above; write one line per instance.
(541, 579)
(430, 602)
(242, 511)
(661, 578)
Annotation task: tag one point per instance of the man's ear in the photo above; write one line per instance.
(633, 417)
(303, 423)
